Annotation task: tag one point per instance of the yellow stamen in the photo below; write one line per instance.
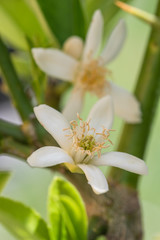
(92, 77)
(85, 140)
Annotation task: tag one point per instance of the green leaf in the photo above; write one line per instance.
(4, 176)
(57, 228)
(65, 17)
(23, 222)
(67, 213)
(10, 31)
(21, 14)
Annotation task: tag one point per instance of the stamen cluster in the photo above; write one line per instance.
(86, 139)
(91, 77)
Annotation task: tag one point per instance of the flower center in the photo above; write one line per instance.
(87, 143)
(86, 140)
(92, 77)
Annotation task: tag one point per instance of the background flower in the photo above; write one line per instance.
(89, 73)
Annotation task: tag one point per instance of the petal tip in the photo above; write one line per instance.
(121, 21)
(135, 117)
(134, 120)
(122, 25)
(39, 108)
(36, 52)
(30, 161)
(99, 191)
(98, 16)
(97, 13)
(145, 170)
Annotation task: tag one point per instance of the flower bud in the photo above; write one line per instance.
(73, 46)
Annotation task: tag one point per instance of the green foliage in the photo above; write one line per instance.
(10, 31)
(65, 17)
(67, 216)
(14, 84)
(4, 176)
(19, 15)
(23, 222)
(67, 213)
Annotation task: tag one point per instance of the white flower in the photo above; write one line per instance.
(81, 144)
(89, 73)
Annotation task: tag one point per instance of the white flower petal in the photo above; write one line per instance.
(48, 156)
(55, 63)
(101, 114)
(121, 160)
(94, 36)
(125, 104)
(115, 42)
(74, 105)
(95, 178)
(79, 156)
(55, 123)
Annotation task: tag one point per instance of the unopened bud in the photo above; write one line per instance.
(73, 46)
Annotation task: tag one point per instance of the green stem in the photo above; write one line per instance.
(16, 89)
(17, 149)
(20, 99)
(12, 130)
(135, 137)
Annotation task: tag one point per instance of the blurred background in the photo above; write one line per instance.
(30, 185)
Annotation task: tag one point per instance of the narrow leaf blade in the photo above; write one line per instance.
(22, 15)
(64, 17)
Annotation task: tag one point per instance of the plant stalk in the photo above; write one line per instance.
(11, 130)
(16, 89)
(20, 99)
(135, 137)
(15, 148)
